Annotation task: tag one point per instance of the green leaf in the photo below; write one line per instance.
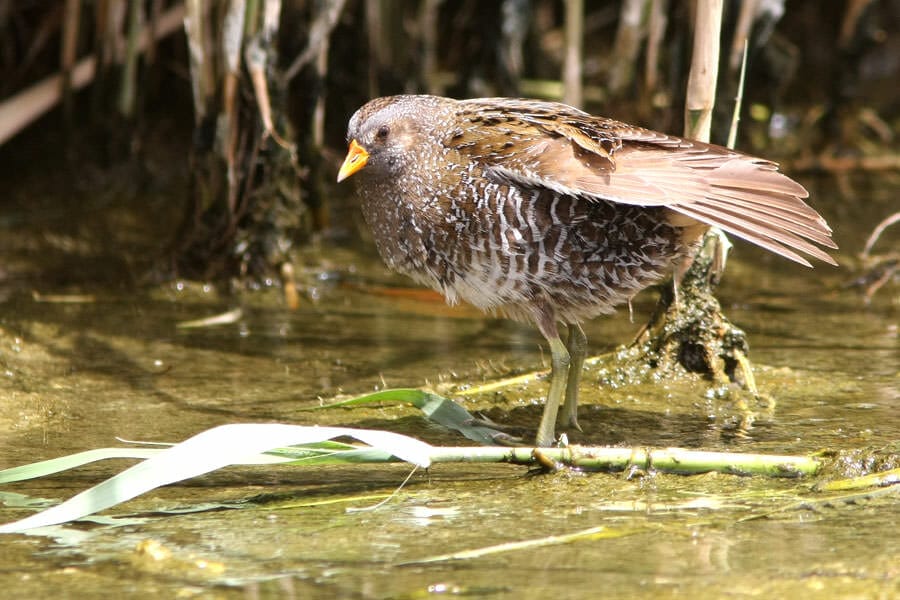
(439, 409)
(64, 463)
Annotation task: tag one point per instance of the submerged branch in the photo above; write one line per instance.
(879, 229)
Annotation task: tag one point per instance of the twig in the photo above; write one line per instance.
(879, 229)
(738, 100)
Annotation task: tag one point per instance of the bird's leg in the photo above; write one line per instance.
(559, 358)
(576, 344)
(559, 367)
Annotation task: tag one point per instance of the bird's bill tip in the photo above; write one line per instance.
(354, 161)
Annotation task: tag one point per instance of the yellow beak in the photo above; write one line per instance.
(356, 159)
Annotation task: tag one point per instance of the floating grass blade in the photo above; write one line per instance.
(72, 461)
(207, 451)
(321, 453)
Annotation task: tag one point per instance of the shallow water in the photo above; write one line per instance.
(79, 371)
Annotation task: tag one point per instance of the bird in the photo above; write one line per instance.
(540, 212)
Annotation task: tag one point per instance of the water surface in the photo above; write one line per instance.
(78, 371)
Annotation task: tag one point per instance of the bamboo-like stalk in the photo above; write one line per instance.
(573, 94)
(668, 460)
(701, 90)
(664, 460)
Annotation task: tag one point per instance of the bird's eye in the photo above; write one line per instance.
(382, 132)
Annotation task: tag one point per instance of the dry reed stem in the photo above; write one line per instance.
(701, 90)
(19, 111)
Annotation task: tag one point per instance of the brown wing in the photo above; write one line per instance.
(549, 145)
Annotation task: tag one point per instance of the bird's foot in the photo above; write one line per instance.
(504, 439)
(569, 418)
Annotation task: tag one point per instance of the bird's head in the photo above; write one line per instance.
(386, 134)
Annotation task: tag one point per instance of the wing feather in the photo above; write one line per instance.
(551, 146)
